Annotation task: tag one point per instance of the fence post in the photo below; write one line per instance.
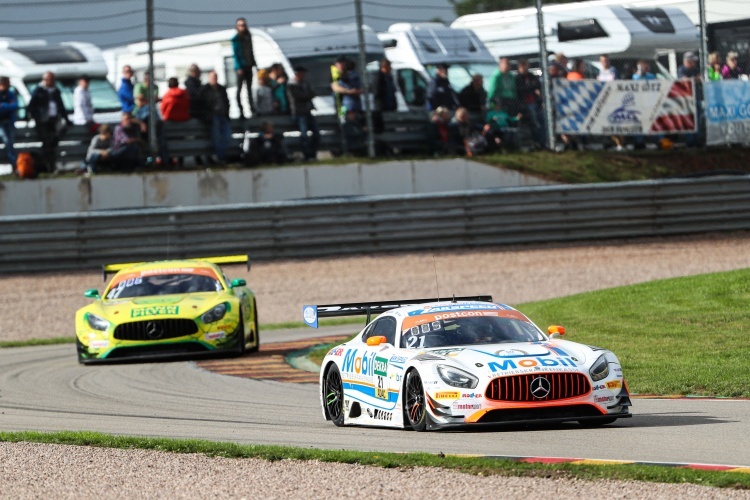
(365, 78)
(546, 94)
(151, 97)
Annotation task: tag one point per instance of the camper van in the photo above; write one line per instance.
(586, 30)
(26, 61)
(416, 49)
(312, 45)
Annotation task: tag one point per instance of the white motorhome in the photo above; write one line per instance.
(312, 45)
(586, 30)
(415, 50)
(26, 61)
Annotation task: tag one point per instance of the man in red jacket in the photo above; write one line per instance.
(175, 105)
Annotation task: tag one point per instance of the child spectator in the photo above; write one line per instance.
(464, 137)
(269, 146)
(98, 153)
(439, 131)
(499, 127)
(643, 71)
(264, 94)
(175, 106)
(730, 69)
(714, 67)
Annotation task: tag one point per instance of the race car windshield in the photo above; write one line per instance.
(469, 331)
(163, 284)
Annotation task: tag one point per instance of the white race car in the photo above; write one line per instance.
(429, 364)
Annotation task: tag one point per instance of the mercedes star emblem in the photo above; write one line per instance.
(539, 387)
(154, 330)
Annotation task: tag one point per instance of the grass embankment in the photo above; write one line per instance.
(678, 336)
(472, 465)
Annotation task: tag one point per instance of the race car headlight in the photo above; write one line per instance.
(600, 369)
(214, 314)
(96, 322)
(456, 377)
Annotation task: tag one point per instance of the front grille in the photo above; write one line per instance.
(155, 329)
(559, 413)
(518, 388)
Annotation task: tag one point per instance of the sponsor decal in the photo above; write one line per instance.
(464, 314)
(397, 359)
(99, 344)
(448, 352)
(454, 307)
(516, 364)
(615, 384)
(377, 414)
(511, 352)
(467, 406)
(310, 315)
(215, 335)
(380, 369)
(604, 399)
(155, 311)
(618, 370)
(336, 351)
(471, 395)
(478, 365)
(447, 395)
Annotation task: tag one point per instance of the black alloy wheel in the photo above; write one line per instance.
(242, 340)
(415, 412)
(256, 330)
(333, 396)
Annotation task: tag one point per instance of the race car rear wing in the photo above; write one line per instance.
(311, 314)
(224, 260)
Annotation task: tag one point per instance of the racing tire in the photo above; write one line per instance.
(241, 330)
(596, 423)
(256, 330)
(333, 396)
(415, 410)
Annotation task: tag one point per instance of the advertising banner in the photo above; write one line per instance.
(727, 112)
(624, 107)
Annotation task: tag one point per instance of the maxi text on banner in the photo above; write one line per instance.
(727, 112)
(624, 107)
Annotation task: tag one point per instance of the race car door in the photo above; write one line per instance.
(384, 376)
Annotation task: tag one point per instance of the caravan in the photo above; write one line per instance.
(586, 30)
(415, 50)
(26, 61)
(312, 45)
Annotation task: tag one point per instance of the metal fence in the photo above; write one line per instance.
(368, 224)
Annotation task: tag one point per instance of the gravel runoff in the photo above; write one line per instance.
(30, 470)
(43, 306)
(511, 274)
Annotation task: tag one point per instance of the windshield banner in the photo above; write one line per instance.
(727, 112)
(624, 107)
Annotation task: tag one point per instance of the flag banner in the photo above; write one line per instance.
(624, 107)
(727, 112)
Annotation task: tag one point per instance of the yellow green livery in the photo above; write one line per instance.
(172, 308)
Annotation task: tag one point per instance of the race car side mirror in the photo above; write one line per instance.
(556, 331)
(376, 340)
(91, 294)
(238, 282)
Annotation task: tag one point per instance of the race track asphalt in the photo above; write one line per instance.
(45, 389)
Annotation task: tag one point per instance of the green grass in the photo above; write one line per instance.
(676, 336)
(23, 343)
(471, 465)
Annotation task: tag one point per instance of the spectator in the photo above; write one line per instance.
(473, 97)
(244, 62)
(278, 81)
(714, 66)
(300, 95)
(499, 127)
(643, 71)
(8, 108)
(464, 137)
(142, 114)
(689, 67)
(383, 94)
(217, 111)
(561, 61)
(440, 92)
(98, 153)
(264, 104)
(269, 146)
(554, 71)
(48, 111)
(338, 69)
(578, 72)
(503, 86)
(348, 87)
(175, 106)
(529, 90)
(730, 69)
(355, 138)
(608, 72)
(126, 90)
(126, 146)
(83, 110)
(627, 71)
(193, 87)
(142, 88)
(439, 138)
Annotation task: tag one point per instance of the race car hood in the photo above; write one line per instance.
(517, 357)
(187, 306)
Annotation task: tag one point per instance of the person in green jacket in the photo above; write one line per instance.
(500, 127)
(503, 86)
(714, 67)
(244, 62)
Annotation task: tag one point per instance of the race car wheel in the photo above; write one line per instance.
(333, 395)
(242, 340)
(415, 412)
(596, 423)
(256, 330)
